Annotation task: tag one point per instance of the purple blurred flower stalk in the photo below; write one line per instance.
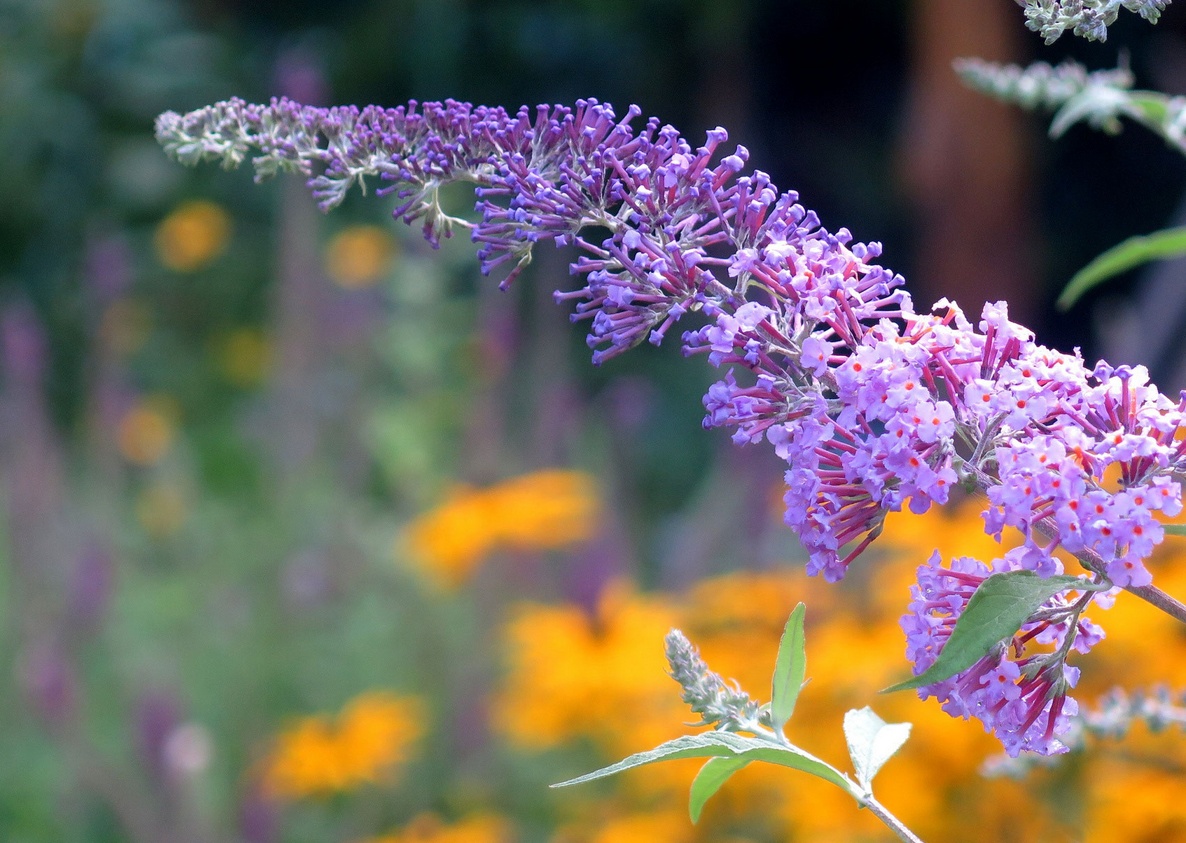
(873, 406)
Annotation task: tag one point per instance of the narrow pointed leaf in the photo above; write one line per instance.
(1160, 245)
(714, 773)
(871, 742)
(996, 611)
(725, 745)
(789, 670)
(1152, 108)
(688, 746)
(1097, 106)
(1174, 529)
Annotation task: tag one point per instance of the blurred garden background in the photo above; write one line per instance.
(311, 534)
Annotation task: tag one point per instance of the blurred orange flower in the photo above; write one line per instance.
(429, 828)
(193, 235)
(602, 677)
(546, 510)
(669, 824)
(365, 744)
(358, 256)
(147, 430)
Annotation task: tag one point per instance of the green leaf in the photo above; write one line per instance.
(996, 611)
(1098, 105)
(789, 669)
(1151, 107)
(726, 745)
(1169, 243)
(1174, 529)
(714, 773)
(871, 742)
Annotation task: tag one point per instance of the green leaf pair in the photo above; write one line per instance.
(871, 741)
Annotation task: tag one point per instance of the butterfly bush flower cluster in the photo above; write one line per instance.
(874, 407)
(1088, 19)
(1017, 693)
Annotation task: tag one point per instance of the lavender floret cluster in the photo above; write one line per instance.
(1018, 694)
(874, 407)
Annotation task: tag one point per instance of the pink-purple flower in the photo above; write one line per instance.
(1018, 690)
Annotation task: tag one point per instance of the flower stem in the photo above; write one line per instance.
(891, 822)
(1151, 594)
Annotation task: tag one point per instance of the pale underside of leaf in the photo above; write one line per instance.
(871, 742)
(725, 745)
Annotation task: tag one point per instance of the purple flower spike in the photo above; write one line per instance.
(873, 407)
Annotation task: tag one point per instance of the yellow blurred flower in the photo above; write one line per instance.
(365, 744)
(909, 540)
(147, 430)
(161, 509)
(736, 620)
(193, 235)
(429, 828)
(546, 510)
(359, 256)
(602, 677)
(669, 825)
(245, 356)
(1136, 794)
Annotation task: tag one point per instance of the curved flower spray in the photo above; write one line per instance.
(874, 407)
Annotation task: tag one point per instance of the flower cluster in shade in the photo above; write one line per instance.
(873, 407)
(545, 510)
(1088, 19)
(1099, 98)
(1041, 85)
(366, 743)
